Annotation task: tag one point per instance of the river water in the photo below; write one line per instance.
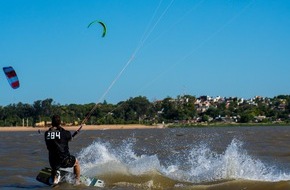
(179, 158)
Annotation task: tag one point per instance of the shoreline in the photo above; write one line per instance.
(85, 127)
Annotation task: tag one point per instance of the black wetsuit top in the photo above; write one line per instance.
(56, 140)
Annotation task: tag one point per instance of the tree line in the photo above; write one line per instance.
(184, 109)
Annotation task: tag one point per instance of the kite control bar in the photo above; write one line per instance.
(77, 131)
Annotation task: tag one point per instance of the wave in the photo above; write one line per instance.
(200, 165)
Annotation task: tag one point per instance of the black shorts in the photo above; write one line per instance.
(67, 162)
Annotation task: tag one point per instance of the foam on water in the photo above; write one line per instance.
(207, 165)
(198, 165)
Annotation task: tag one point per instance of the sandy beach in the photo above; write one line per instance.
(85, 127)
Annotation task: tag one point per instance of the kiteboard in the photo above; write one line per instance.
(44, 176)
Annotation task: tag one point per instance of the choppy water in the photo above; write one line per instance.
(190, 158)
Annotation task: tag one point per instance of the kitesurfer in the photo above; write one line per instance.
(56, 139)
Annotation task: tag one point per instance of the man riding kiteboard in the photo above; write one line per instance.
(56, 139)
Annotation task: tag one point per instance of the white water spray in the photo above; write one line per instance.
(202, 165)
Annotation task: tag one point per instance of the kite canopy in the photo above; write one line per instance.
(102, 24)
(11, 77)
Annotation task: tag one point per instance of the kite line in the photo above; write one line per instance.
(141, 44)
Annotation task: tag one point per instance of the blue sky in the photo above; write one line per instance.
(152, 48)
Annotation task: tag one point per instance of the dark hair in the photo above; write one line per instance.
(55, 120)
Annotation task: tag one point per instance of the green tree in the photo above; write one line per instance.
(246, 117)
